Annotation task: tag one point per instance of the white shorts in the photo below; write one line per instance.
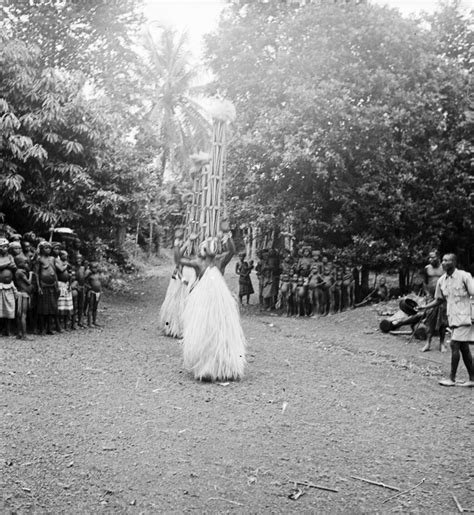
(464, 333)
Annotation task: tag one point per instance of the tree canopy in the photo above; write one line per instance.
(95, 38)
(351, 125)
(77, 140)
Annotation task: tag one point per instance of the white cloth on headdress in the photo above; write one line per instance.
(171, 311)
(171, 320)
(189, 276)
(213, 340)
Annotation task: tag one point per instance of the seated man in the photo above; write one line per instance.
(381, 291)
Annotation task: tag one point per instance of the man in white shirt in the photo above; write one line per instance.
(455, 287)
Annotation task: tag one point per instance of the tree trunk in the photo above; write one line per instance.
(253, 237)
(364, 281)
(120, 233)
(403, 279)
(150, 240)
(164, 159)
(357, 286)
(248, 242)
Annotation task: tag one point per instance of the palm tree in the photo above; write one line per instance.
(177, 118)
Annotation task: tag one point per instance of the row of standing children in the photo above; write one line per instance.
(305, 284)
(43, 291)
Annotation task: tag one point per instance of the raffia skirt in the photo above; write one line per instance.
(171, 311)
(213, 340)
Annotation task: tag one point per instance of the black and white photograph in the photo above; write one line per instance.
(236, 257)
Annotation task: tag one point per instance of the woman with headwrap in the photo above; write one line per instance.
(213, 339)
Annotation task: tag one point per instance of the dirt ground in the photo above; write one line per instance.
(107, 421)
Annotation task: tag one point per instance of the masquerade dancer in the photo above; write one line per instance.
(213, 339)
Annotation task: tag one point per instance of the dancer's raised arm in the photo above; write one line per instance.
(223, 259)
(179, 259)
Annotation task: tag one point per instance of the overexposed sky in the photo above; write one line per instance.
(197, 17)
(201, 16)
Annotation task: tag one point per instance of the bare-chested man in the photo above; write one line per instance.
(436, 319)
(315, 287)
(327, 287)
(337, 289)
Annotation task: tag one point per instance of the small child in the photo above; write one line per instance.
(65, 304)
(74, 287)
(8, 291)
(243, 269)
(301, 292)
(94, 291)
(81, 288)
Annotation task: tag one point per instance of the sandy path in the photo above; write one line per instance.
(106, 421)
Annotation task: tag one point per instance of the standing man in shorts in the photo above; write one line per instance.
(455, 287)
(436, 320)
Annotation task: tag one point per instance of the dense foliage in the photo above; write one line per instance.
(352, 125)
(95, 38)
(82, 127)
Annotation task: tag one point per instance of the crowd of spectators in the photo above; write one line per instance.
(45, 286)
(304, 283)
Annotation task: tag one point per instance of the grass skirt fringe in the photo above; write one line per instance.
(171, 312)
(213, 340)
